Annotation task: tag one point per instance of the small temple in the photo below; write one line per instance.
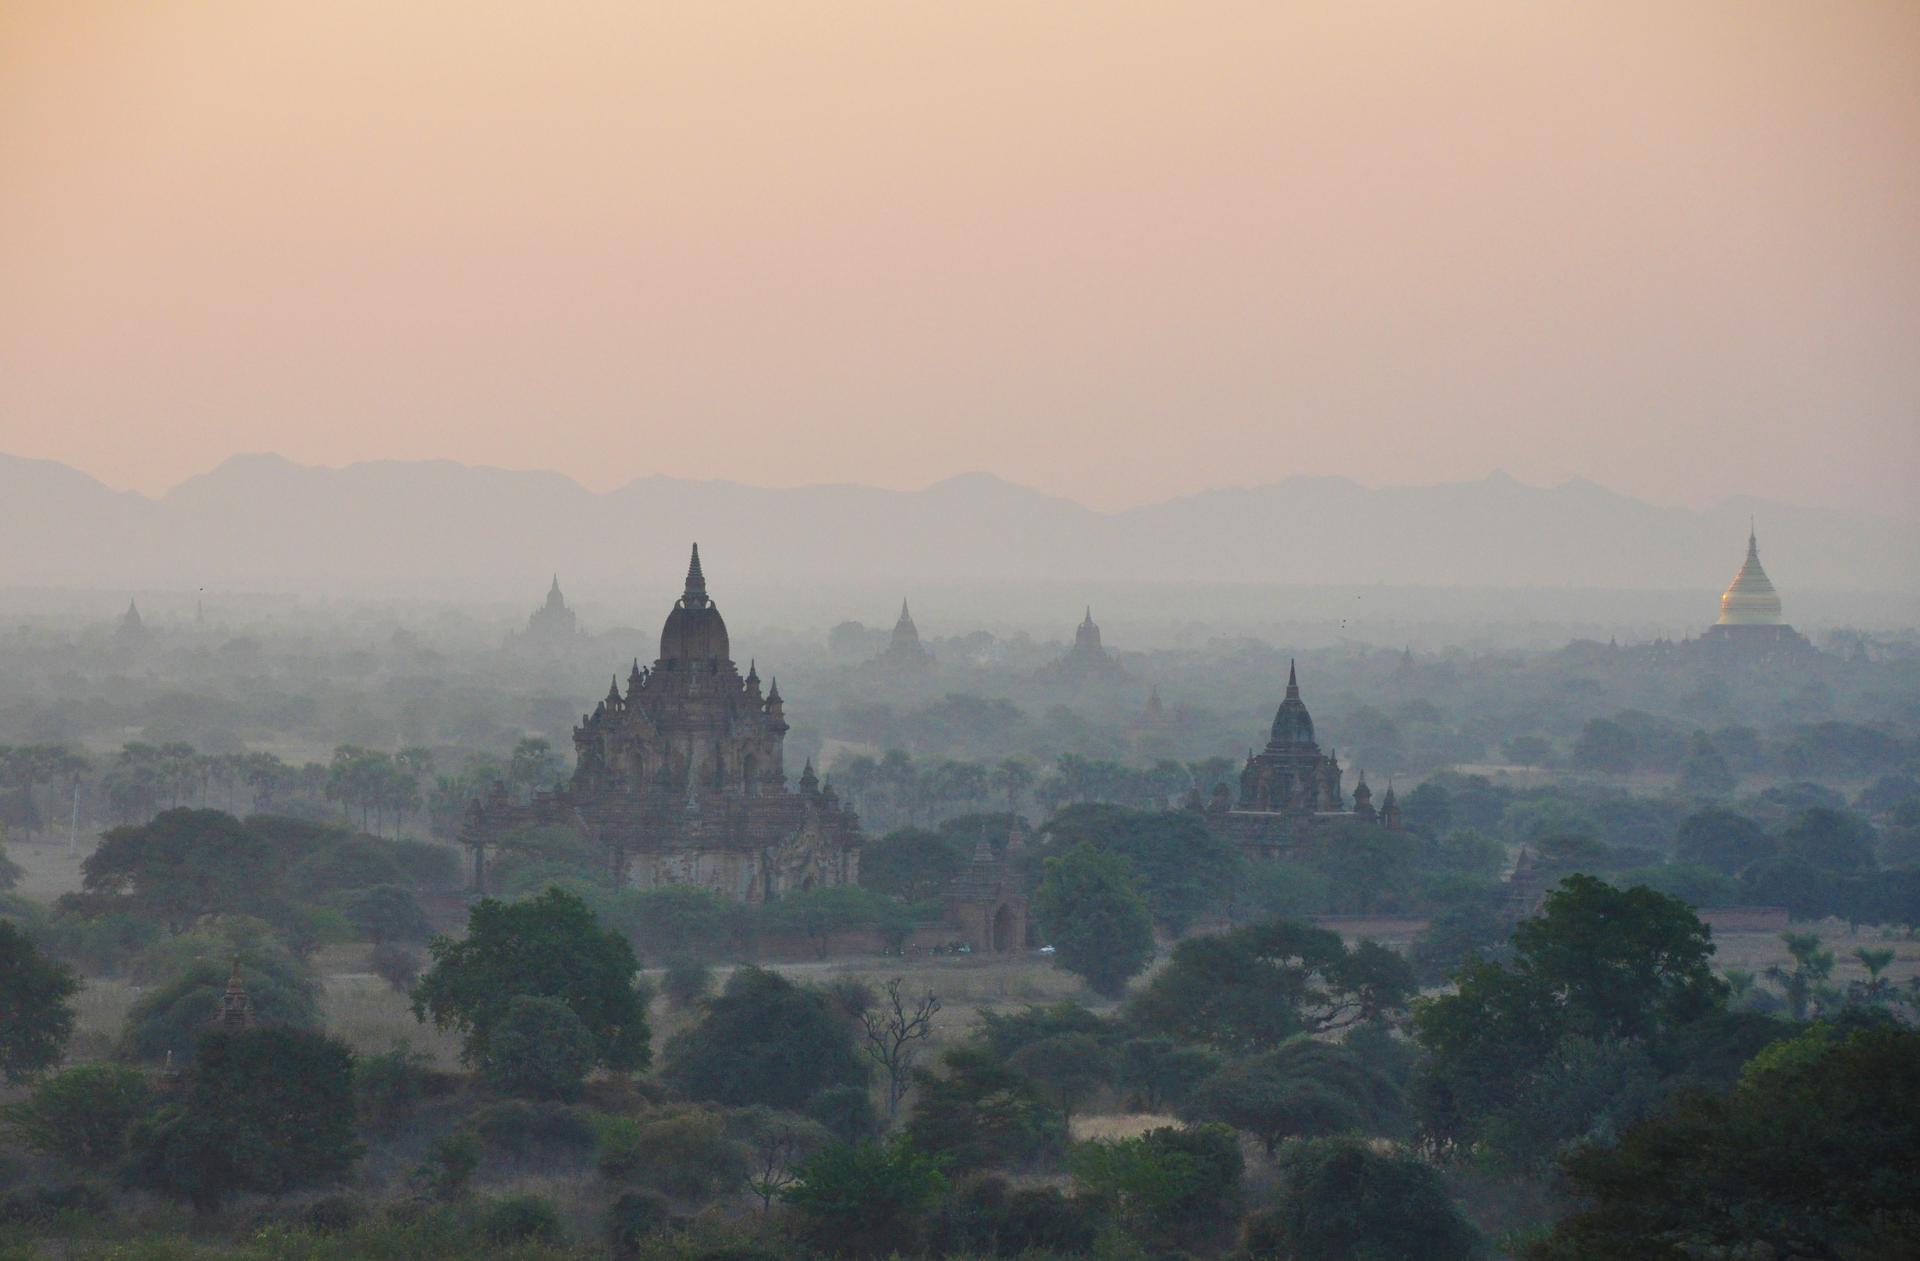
(553, 622)
(1087, 659)
(236, 1005)
(1290, 788)
(904, 650)
(985, 908)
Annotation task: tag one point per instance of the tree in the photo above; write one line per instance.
(763, 1040)
(267, 1110)
(864, 1199)
(389, 913)
(533, 764)
(1527, 751)
(1069, 1068)
(170, 1018)
(686, 982)
(685, 1152)
(1092, 911)
(539, 1050)
(1253, 988)
(1606, 745)
(1343, 1201)
(1175, 1188)
(550, 947)
(1812, 965)
(1599, 963)
(1159, 1072)
(776, 1143)
(1876, 988)
(181, 865)
(1829, 840)
(980, 1112)
(913, 864)
(35, 1017)
(1811, 1154)
(1726, 841)
(1182, 868)
(1304, 1089)
(82, 1115)
(1704, 772)
(894, 1031)
(1455, 936)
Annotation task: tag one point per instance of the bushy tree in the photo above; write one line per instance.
(1704, 771)
(388, 913)
(539, 1050)
(1094, 916)
(82, 1115)
(979, 1113)
(686, 982)
(1158, 1072)
(35, 1017)
(172, 1017)
(1343, 1201)
(267, 1110)
(1171, 1187)
(183, 864)
(514, 1219)
(1182, 868)
(1811, 1154)
(913, 864)
(763, 1040)
(1253, 988)
(1829, 840)
(1305, 1088)
(687, 1153)
(1069, 1068)
(1599, 963)
(864, 1199)
(548, 946)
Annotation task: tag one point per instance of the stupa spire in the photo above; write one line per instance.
(696, 592)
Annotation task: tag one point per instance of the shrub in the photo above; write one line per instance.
(988, 1215)
(449, 1167)
(517, 1128)
(1175, 1187)
(539, 1050)
(980, 1113)
(687, 1154)
(388, 1086)
(82, 1115)
(520, 1219)
(1344, 1200)
(847, 1112)
(866, 1199)
(686, 982)
(397, 965)
(633, 1217)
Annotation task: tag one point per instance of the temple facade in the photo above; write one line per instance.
(985, 908)
(1290, 788)
(681, 779)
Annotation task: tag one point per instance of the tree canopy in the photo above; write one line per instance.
(764, 1040)
(1253, 988)
(1092, 912)
(548, 946)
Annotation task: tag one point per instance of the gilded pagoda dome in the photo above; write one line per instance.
(1751, 599)
(695, 631)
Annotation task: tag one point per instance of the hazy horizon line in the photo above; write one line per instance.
(1496, 474)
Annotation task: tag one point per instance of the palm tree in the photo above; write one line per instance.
(1014, 777)
(1876, 988)
(1812, 965)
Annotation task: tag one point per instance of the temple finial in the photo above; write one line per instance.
(1293, 679)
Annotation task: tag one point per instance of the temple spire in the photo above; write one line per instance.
(696, 592)
(1293, 682)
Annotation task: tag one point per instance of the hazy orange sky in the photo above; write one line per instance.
(1117, 251)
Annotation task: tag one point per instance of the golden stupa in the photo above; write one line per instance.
(1751, 599)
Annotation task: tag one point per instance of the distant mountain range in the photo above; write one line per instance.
(263, 523)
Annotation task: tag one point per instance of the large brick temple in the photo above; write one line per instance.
(681, 779)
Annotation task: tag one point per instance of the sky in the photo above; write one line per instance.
(1116, 251)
